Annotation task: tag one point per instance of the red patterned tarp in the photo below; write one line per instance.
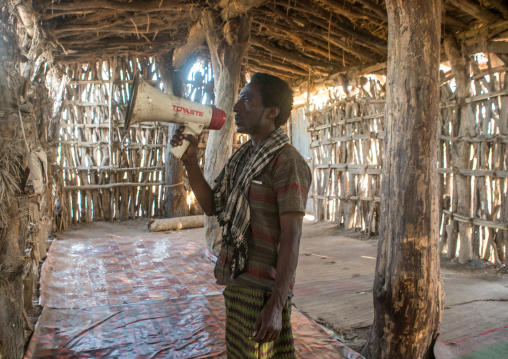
(89, 272)
(191, 327)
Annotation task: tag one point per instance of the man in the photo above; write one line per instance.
(259, 199)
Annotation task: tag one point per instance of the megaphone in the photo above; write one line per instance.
(149, 104)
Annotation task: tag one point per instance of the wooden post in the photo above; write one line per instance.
(176, 195)
(226, 68)
(463, 125)
(408, 294)
(502, 236)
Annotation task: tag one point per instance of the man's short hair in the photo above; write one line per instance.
(275, 92)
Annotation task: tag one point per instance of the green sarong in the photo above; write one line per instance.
(243, 306)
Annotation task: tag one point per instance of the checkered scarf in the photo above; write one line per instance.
(232, 202)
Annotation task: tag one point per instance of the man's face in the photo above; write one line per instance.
(251, 115)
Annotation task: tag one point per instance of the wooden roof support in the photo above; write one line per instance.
(496, 47)
(408, 290)
(226, 68)
(349, 11)
(310, 44)
(351, 74)
(196, 36)
(345, 26)
(487, 31)
(451, 21)
(474, 9)
(141, 6)
(89, 15)
(363, 54)
(262, 62)
(500, 6)
(77, 30)
(272, 69)
(271, 59)
(291, 57)
(375, 8)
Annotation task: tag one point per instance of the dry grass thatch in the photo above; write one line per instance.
(10, 164)
(287, 38)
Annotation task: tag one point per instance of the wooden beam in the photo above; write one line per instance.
(348, 11)
(352, 73)
(196, 36)
(260, 61)
(121, 29)
(496, 47)
(488, 31)
(361, 53)
(305, 43)
(500, 6)
(258, 67)
(476, 10)
(339, 27)
(375, 8)
(139, 6)
(232, 9)
(452, 21)
(290, 56)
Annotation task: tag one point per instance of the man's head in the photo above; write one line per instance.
(275, 92)
(264, 104)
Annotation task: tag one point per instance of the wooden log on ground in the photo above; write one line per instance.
(176, 223)
(408, 293)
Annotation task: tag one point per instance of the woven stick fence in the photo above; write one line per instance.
(473, 164)
(347, 153)
(347, 146)
(104, 172)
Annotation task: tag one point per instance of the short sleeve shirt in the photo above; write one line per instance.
(281, 187)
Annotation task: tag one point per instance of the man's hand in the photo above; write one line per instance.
(268, 324)
(201, 188)
(192, 150)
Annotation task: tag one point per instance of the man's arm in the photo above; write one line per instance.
(269, 322)
(200, 187)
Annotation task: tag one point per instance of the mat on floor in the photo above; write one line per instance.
(186, 327)
(492, 344)
(89, 272)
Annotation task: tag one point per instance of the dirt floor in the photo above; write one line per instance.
(334, 286)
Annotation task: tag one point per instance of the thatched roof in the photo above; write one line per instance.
(290, 37)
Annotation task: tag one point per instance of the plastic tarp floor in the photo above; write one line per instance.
(187, 327)
(87, 272)
(127, 294)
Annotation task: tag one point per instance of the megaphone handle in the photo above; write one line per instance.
(190, 129)
(180, 150)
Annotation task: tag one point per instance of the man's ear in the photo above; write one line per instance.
(272, 112)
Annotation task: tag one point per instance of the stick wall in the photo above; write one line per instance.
(104, 171)
(347, 157)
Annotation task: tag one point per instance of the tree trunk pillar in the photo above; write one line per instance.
(408, 294)
(226, 63)
(176, 196)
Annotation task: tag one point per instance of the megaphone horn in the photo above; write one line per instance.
(147, 104)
